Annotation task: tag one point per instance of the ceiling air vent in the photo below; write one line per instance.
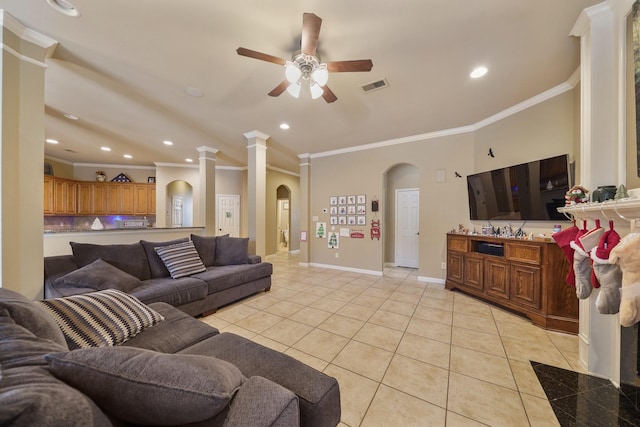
(377, 85)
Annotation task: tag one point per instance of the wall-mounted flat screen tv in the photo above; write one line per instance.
(529, 191)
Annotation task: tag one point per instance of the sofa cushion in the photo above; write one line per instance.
(176, 292)
(30, 316)
(147, 387)
(229, 276)
(130, 258)
(176, 332)
(156, 266)
(29, 394)
(181, 259)
(99, 275)
(99, 319)
(206, 247)
(232, 250)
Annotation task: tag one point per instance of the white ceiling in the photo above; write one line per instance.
(123, 67)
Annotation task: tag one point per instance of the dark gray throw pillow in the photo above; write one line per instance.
(130, 258)
(99, 275)
(147, 387)
(206, 247)
(156, 265)
(232, 250)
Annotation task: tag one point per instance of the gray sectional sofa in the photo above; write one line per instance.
(179, 371)
(231, 273)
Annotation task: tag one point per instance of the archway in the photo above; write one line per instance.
(179, 209)
(402, 191)
(283, 219)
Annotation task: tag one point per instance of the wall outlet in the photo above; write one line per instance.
(337, 255)
(443, 265)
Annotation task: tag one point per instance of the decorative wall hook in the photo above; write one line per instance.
(490, 153)
(458, 175)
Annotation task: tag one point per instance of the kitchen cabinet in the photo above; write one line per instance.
(527, 277)
(59, 196)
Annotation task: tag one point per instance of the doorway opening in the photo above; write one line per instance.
(179, 204)
(283, 219)
(228, 215)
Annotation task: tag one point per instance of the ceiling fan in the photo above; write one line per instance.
(305, 67)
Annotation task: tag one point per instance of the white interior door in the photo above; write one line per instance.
(228, 217)
(176, 212)
(407, 227)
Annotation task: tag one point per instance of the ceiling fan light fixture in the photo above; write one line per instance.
(294, 89)
(292, 72)
(321, 75)
(316, 91)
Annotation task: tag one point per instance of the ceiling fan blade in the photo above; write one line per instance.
(328, 95)
(350, 66)
(310, 33)
(259, 55)
(280, 88)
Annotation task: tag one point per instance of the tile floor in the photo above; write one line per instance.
(405, 353)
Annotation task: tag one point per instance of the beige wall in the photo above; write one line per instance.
(543, 130)
(134, 173)
(60, 169)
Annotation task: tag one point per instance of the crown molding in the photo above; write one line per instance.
(27, 34)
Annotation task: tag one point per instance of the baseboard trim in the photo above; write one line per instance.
(431, 280)
(349, 269)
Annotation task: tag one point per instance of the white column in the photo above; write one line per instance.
(602, 157)
(207, 208)
(305, 200)
(22, 68)
(257, 189)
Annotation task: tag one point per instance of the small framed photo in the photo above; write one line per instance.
(362, 209)
(351, 220)
(351, 200)
(342, 220)
(351, 210)
(151, 180)
(342, 210)
(333, 200)
(342, 200)
(362, 199)
(333, 210)
(333, 220)
(362, 220)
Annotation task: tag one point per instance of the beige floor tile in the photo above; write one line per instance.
(501, 315)
(321, 344)
(233, 313)
(284, 308)
(354, 353)
(282, 293)
(320, 291)
(434, 314)
(404, 308)
(368, 301)
(378, 292)
(355, 311)
(483, 366)
(268, 342)
(305, 298)
(404, 297)
(342, 295)
(216, 322)
(574, 361)
(419, 379)
(379, 336)
(539, 412)
(390, 320)
(441, 294)
(259, 321)
(329, 304)
(456, 420)
(310, 316)
(430, 301)
(477, 309)
(307, 359)
(287, 332)
(342, 325)
(526, 379)
(475, 323)
(523, 331)
(485, 402)
(239, 331)
(525, 351)
(479, 341)
(564, 342)
(425, 350)
(393, 408)
(428, 329)
(265, 300)
(356, 393)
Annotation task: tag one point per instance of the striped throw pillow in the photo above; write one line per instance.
(181, 259)
(100, 319)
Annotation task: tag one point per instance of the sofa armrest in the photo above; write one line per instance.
(263, 403)
(254, 259)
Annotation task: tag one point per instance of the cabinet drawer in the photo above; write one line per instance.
(458, 243)
(523, 252)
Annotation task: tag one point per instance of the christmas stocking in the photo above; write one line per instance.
(609, 275)
(563, 239)
(627, 255)
(582, 261)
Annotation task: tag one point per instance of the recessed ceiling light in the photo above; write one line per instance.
(167, 142)
(284, 126)
(194, 91)
(63, 6)
(478, 72)
(188, 160)
(51, 141)
(105, 148)
(127, 156)
(71, 117)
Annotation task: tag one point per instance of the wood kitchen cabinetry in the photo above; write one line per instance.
(69, 197)
(527, 277)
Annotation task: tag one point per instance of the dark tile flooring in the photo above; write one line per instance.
(583, 400)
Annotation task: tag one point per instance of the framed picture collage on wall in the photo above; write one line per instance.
(348, 210)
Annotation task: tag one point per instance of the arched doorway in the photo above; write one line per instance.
(283, 219)
(402, 215)
(179, 204)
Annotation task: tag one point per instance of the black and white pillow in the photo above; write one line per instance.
(181, 259)
(100, 319)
